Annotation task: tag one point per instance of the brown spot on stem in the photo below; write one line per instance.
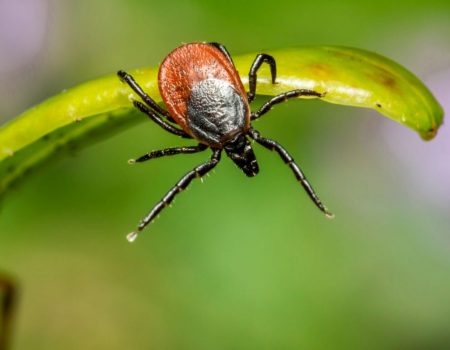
(383, 77)
(388, 81)
(321, 70)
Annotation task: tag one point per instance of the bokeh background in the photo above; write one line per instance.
(237, 263)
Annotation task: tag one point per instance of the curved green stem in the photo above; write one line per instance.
(347, 76)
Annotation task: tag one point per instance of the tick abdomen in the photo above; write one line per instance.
(201, 75)
(216, 111)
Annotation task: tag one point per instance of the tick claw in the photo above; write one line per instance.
(131, 237)
(329, 215)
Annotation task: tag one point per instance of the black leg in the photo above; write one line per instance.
(223, 49)
(125, 77)
(158, 120)
(7, 303)
(259, 60)
(169, 152)
(275, 146)
(282, 98)
(199, 171)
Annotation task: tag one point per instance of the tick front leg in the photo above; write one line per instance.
(169, 152)
(300, 176)
(181, 185)
(283, 98)
(158, 120)
(7, 304)
(259, 60)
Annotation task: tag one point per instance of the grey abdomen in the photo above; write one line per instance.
(216, 112)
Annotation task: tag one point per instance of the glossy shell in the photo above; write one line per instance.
(204, 94)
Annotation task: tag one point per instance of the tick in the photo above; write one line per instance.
(206, 101)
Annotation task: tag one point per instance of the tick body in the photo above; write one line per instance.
(204, 94)
(206, 101)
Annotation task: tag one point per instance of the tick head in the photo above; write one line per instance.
(240, 151)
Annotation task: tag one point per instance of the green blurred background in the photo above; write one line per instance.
(237, 263)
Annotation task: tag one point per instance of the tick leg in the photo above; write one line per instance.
(169, 152)
(184, 182)
(275, 146)
(282, 98)
(259, 60)
(127, 78)
(158, 120)
(7, 303)
(223, 49)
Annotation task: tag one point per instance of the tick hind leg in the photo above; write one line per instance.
(158, 120)
(259, 60)
(223, 49)
(300, 176)
(266, 107)
(127, 78)
(181, 185)
(169, 152)
(8, 295)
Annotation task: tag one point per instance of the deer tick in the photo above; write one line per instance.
(206, 101)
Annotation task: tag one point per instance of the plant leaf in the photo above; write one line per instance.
(79, 116)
